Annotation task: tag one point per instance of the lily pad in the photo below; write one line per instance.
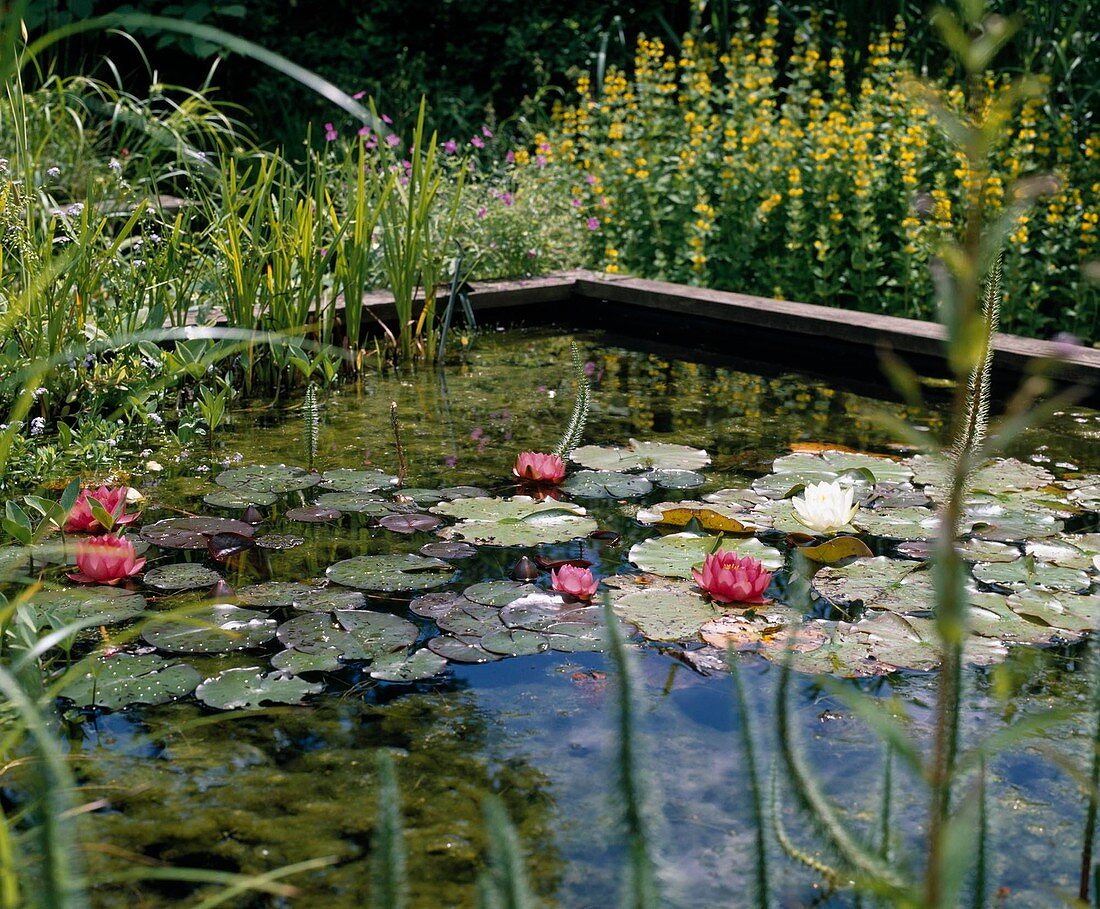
(391, 573)
(668, 478)
(606, 484)
(279, 541)
(862, 471)
(236, 498)
(879, 583)
(1078, 550)
(277, 478)
(355, 634)
(998, 476)
(1072, 613)
(215, 629)
(329, 598)
(666, 610)
(1028, 573)
(898, 523)
(576, 637)
(275, 594)
(515, 642)
(410, 523)
(498, 593)
(191, 533)
(674, 555)
(235, 689)
(713, 517)
(519, 521)
(90, 605)
(462, 650)
(771, 630)
(467, 620)
(420, 665)
(366, 503)
(641, 455)
(347, 480)
(181, 576)
(434, 605)
(113, 682)
(539, 611)
(837, 549)
(448, 549)
(295, 662)
(314, 514)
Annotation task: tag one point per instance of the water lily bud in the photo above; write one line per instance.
(525, 570)
(252, 515)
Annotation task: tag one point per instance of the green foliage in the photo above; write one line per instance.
(574, 431)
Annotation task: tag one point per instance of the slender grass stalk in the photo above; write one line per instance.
(389, 878)
(574, 431)
(402, 460)
(981, 861)
(1093, 796)
(311, 424)
(505, 885)
(642, 892)
(748, 749)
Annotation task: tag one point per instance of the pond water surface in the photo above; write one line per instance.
(251, 791)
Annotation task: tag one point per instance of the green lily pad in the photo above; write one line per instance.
(776, 628)
(1072, 613)
(879, 583)
(576, 637)
(1013, 517)
(1072, 550)
(668, 478)
(498, 593)
(861, 471)
(998, 476)
(519, 521)
(462, 650)
(191, 533)
(295, 662)
(365, 503)
(181, 576)
(346, 480)
(113, 682)
(391, 573)
(1028, 573)
(90, 605)
(1087, 497)
(279, 541)
(665, 611)
(275, 594)
(515, 642)
(396, 667)
(898, 523)
(606, 484)
(329, 598)
(277, 478)
(354, 634)
(416, 496)
(247, 687)
(741, 499)
(448, 549)
(674, 555)
(214, 629)
(238, 498)
(434, 605)
(641, 455)
(539, 611)
(469, 620)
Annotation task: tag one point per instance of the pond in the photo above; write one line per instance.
(519, 699)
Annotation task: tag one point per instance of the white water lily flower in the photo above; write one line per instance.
(825, 507)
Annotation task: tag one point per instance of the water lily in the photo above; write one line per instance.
(729, 578)
(105, 560)
(536, 467)
(112, 498)
(577, 582)
(825, 507)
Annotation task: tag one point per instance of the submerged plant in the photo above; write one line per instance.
(311, 424)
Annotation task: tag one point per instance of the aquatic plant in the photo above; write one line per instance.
(728, 578)
(582, 403)
(106, 559)
(536, 467)
(577, 582)
(825, 507)
(311, 424)
(100, 509)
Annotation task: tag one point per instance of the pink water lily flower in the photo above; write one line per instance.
(577, 582)
(105, 560)
(729, 578)
(536, 467)
(112, 498)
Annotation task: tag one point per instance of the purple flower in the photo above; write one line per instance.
(590, 179)
(590, 368)
(510, 157)
(451, 460)
(576, 203)
(386, 119)
(541, 161)
(486, 132)
(593, 223)
(364, 131)
(450, 146)
(330, 132)
(532, 254)
(359, 95)
(477, 142)
(393, 140)
(507, 199)
(477, 433)
(482, 212)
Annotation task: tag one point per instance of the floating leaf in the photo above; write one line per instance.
(448, 549)
(998, 476)
(1078, 550)
(329, 598)
(1027, 573)
(365, 503)
(837, 549)
(519, 521)
(641, 455)
(295, 662)
(394, 667)
(498, 593)
(515, 642)
(576, 637)
(391, 573)
(538, 611)
(314, 514)
(246, 687)
(434, 605)
(238, 498)
(466, 620)
(275, 594)
(462, 650)
(214, 629)
(880, 583)
(191, 533)
(606, 484)
(101, 605)
(675, 479)
(898, 523)
(355, 635)
(861, 471)
(674, 555)
(181, 576)
(346, 480)
(1072, 613)
(770, 630)
(222, 546)
(668, 611)
(715, 518)
(279, 541)
(114, 681)
(277, 478)
(410, 523)
(421, 497)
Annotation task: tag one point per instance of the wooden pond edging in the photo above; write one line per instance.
(822, 335)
